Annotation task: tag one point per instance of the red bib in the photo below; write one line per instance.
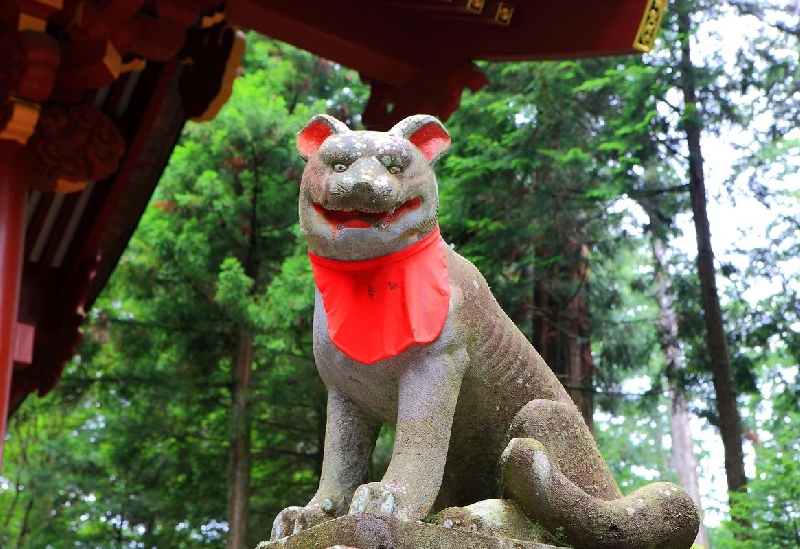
(379, 307)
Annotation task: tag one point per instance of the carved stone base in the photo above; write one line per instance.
(365, 531)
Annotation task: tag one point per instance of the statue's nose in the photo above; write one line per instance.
(370, 185)
(362, 188)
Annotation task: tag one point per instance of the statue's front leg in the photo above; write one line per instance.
(349, 441)
(428, 394)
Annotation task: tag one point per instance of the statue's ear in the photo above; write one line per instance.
(317, 130)
(426, 133)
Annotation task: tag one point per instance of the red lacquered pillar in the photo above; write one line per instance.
(13, 198)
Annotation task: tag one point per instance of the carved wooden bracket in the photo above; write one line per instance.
(72, 146)
(28, 62)
(97, 41)
(212, 56)
(111, 37)
(435, 90)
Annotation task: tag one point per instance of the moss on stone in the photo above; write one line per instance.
(366, 531)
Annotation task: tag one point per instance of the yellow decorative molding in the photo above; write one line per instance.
(651, 22)
(504, 13)
(210, 20)
(32, 21)
(28, 22)
(112, 60)
(475, 6)
(137, 64)
(22, 121)
(64, 186)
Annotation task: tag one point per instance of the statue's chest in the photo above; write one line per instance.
(374, 387)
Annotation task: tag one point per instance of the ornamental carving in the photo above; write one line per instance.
(651, 22)
(73, 146)
(28, 63)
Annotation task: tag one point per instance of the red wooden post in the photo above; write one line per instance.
(13, 197)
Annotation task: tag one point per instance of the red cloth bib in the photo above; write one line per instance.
(379, 307)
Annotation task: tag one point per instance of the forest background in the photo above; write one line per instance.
(582, 190)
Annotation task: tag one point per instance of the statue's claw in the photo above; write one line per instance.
(294, 519)
(493, 517)
(384, 499)
(284, 523)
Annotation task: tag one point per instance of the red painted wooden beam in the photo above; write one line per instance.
(392, 40)
(13, 197)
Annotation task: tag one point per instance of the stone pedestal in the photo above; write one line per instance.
(363, 531)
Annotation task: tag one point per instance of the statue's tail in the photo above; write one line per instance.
(658, 516)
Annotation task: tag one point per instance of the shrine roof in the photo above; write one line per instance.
(390, 39)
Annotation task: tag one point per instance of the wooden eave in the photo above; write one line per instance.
(390, 40)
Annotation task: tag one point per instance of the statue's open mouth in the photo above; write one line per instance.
(359, 219)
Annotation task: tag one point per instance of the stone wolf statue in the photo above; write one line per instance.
(407, 332)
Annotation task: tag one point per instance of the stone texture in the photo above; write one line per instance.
(456, 401)
(366, 531)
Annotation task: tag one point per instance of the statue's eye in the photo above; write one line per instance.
(394, 170)
(339, 168)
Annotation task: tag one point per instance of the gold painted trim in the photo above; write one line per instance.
(112, 60)
(30, 23)
(22, 122)
(64, 186)
(651, 22)
(504, 13)
(475, 6)
(210, 20)
(57, 4)
(137, 64)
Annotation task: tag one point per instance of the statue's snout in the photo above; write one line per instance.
(366, 185)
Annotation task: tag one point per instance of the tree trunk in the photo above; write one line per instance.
(683, 457)
(730, 424)
(561, 324)
(25, 527)
(239, 452)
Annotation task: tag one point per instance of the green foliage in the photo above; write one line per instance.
(768, 514)
(521, 179)
(633, 440)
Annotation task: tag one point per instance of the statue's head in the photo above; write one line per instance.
(366, 194)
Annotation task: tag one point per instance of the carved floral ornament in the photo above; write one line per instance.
(73, 146)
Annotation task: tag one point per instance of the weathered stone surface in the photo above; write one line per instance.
(366, 531)
(407, 332)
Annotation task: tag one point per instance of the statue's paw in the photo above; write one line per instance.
(294, 519)
(380, 498)
(492, 517)
(460, 518)
(284, 523)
